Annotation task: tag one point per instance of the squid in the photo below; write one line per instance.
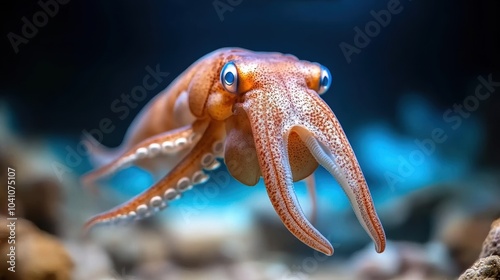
(261, 112)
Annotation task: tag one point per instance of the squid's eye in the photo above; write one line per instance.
(325, 80)
(229, 77)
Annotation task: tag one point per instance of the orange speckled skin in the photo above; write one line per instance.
(274, 126)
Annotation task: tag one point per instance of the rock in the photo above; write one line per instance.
(43, 209)
(213, 237)
(491, 245)
(463, 235)
(484, 269)
(488, 265)
(149, 245)
(39, 195)
(39, 255)
(92, 261)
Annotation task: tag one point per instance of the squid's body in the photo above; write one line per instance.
(261, 112)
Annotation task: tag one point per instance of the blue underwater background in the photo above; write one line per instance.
(415, 86)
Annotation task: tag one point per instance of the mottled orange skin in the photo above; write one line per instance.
(275, 126)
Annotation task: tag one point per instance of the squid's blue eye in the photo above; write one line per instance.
(229, 77)
(325, 80)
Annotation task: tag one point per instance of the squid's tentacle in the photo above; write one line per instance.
(165, 143)
(187, 173)
(276, 172)
(311, 189)
(357, 191)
